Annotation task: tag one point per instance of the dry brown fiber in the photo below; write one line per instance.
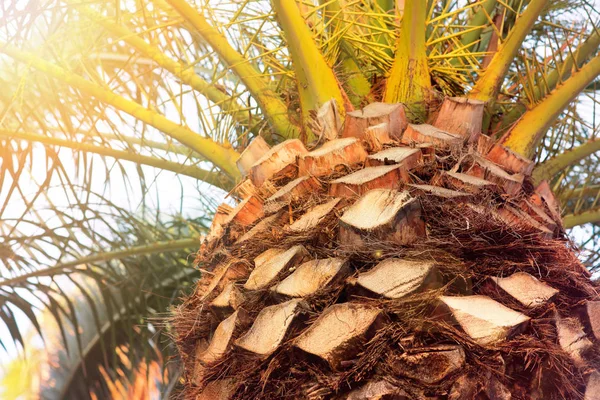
(423, 343)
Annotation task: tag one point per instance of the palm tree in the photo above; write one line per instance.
(110, 108)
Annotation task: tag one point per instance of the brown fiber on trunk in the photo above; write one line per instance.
(421, 268)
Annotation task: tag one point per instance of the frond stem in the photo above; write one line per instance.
(586, 217)
(529, 131)
(487, 86)
(157, 247)
(272, 106)
(317, 83)
(553, 166)
(222, 155)
(214, 178)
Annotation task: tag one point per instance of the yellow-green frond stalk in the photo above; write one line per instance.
(553, 166)
(357, 86)
(214, 178)
(409, 81)
(183, 72)
(526, 135)
(354, 80)
(222, 155)
(270, 103)
(479, 19)
(489, 83)
(591, 216)
(562, 71)
(316, 82)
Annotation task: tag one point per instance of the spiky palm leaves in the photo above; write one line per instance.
(134, 83)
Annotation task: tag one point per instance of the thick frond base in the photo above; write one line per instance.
(416, 269)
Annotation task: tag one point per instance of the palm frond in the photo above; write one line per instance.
(112, 104)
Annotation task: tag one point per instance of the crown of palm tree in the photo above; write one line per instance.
(117, 100)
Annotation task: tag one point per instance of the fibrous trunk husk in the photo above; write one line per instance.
(413, 262)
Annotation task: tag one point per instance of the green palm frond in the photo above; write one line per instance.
(58, 263)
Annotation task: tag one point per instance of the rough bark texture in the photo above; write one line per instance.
(451, 280)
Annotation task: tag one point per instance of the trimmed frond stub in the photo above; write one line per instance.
(573, 339)
(429, 365)
(484, 169)
(467, 183)
(430, 134)
(228, 300)
(408, 157)
(335, 336)
(340, 152)
(218, 345)
(270, 327)
(485, 321)
(509, 160)
(251, 154)
(395, 278)
(246, 212)
(272, 263)
(526, 289)
(276, 160)
(264, 225)
(294, 190)
(313, 217)
(461, 116)
(312, 276)
(374, 114)
(382, 214)
(360, 182)
(377, 136)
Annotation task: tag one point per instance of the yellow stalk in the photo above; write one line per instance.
(152, 144)
(471, 36)
(528, 132)
(357, 84)
(214, 178)
(580, 192)
(487, 86)
(222, 155)
(553, 166)
(478, 20)
(586, 217)
(409, 80)
(151, 248)
(316, 82)
(272, 106)
(185, 73)
(556, 75)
